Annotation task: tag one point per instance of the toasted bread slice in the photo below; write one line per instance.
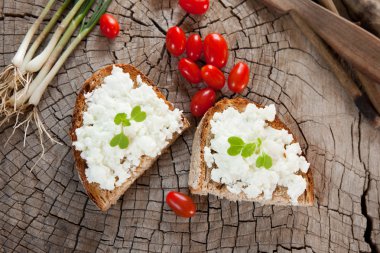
(200, 175)
(105, 198)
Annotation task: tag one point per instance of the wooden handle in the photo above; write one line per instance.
(329, 4)
(353, 43)
(371, 88)
(361, 100)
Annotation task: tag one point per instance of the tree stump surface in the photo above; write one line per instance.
(47, 209)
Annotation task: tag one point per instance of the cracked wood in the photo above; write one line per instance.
(47, 209)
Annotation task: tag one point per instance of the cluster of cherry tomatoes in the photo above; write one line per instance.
(215, 52)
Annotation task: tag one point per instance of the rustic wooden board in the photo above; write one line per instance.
(47, 209)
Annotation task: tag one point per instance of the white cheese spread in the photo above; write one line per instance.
(111, 166)
(240, 174)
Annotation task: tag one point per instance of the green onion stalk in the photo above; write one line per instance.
(36, 64)
(41, 37)
(12, 77)
(19, 57)
(85, 30)
(20, 98)
(20, 79)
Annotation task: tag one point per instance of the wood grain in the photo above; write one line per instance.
(371, 88)
(47, 210)
(329, 4)
(361, 100)
(353, 43)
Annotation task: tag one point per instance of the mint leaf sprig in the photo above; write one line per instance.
(122, 119)
(238, 146)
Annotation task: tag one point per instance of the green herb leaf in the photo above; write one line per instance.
(135, 111)
(120, 140)
(124, 142)
(141, 117)
(115, 140)
(248, 150)
(264, 160)
(235, 141)
(259, 142)
(259, 161)
(237, 145)
(119, 118)
(138, 115)
(267, 161)
(234, 150)
(126, 122)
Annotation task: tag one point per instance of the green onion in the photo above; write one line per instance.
(37, 63)
(85, 30)
(41, 37)
(19, 57)
(23, 95)
(12, 78)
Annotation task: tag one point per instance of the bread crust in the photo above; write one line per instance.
(200, 180)
(105, 198)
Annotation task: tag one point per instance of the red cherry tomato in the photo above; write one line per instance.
(194, 47)
(181, 204)
(197, 7)
(215, 50)
(109, 26)
(213, 77)
(239, 77)
(190, 70)
(175, 41)
(202, 101)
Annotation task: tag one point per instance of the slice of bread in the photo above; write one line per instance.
(105, 198)
(200, 175)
